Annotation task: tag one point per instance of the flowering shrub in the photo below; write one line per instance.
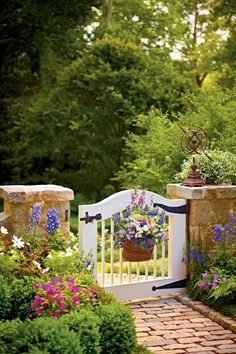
(59, 296)
(225, 236)
(141, 223)
(214, 278)
(26, 250)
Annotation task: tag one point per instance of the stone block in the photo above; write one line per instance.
(18, 199)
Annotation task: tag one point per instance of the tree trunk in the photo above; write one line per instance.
(106, 13)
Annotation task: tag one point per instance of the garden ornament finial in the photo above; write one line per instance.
(194, 141)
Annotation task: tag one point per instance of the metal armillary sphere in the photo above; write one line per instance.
(194, 141)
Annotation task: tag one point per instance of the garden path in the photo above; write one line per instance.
(169, 325)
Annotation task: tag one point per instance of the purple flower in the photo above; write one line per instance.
(217, 233)
(35, 215)
(52, 221)
(57, 279)
(59, 298)
(153, 212)
(205, 275)
(36, 285)
(38, 300)
(127, 213)
(63, 307)
(201, 285)
(55, 314)
(231, 219)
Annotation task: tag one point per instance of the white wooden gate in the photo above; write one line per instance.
(168, 271)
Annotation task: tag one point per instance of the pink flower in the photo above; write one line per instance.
(75, 289)
(36, 285)
(39, 310)
(63, 307)
(150, 223)
(59, 298)
(38, 300)
(55, 314)
(75, 298)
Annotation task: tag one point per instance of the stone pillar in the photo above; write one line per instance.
(208, 206)
(19, 199)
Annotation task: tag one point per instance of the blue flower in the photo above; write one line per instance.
(52, 220)
(217, 233)
(153, 212)
(35, 215)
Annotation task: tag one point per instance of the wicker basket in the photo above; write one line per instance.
(133, 252)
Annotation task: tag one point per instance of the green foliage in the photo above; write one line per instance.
(70, 262)
(119, 80)
(5, 299)
(117, 328)
(16, 296)
(152, 159)
(8, 334)
(224, 289)
(22, 293)
(154, 153)
(86, 326)
(47, 335)
(220, 168)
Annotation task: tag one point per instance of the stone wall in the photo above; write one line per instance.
(18, 199)
(208, 206)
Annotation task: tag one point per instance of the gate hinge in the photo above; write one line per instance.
(88, 218)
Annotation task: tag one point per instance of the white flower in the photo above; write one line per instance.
(69, 252)
(145, 228)
(4, 231)
(144, 40)
(45, 271)
(37, 264)
(62, 254)
(17, 242)
(135, 18)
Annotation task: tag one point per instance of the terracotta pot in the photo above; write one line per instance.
(133, 252)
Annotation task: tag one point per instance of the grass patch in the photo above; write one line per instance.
(133, 267)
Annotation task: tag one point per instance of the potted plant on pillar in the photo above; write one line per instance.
(139, 228)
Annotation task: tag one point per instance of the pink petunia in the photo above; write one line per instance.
(63, 307)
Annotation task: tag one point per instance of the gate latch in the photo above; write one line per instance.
(89, 218)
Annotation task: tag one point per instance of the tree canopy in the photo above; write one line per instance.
(95, 89)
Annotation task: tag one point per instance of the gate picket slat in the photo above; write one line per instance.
(103, 253)
(121, 266)
(155, 262)
(163, 253)
(112, 252)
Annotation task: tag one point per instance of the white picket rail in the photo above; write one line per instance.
(127, 285)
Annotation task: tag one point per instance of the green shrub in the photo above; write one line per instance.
(221, 169)
(22, 293)
(86, 325)
(8, 335)
(117, 329)
(5, 299)
(46, 335)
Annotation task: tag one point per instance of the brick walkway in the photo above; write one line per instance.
(165, 325)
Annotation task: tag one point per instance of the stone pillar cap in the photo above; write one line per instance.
(207, 192)
(23, 194)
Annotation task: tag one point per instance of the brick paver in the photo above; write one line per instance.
(165, 325)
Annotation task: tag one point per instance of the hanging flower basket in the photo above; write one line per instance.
(133, 252)
(139, 227)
